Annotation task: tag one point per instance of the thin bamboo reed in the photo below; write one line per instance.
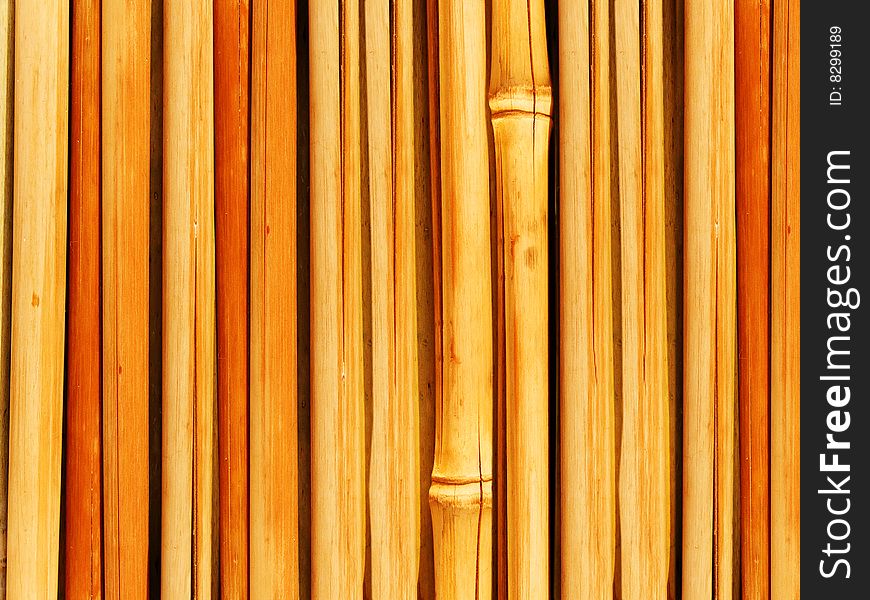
(752, 135)
(38, 296)
(337, 402)
(189, 397)
(83, 516)
(644, 494)
(231, 73)
(461, 492)
(394, 472)
(274, 470)
(710, 304)
(6, 103)
(785, 306)
(587, 434)
(520, 99)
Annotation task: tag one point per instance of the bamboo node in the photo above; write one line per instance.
(462, 496)
(521, 99)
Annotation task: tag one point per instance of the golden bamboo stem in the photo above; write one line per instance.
(520, 99)
(394, 472)
(6, 102)
(189, 402)
(644, 485)
(461, 492)
(710, 303)
(38, 296)
(785, 305)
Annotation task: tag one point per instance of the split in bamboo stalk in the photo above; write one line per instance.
(785, 305)
(274, 471)
(394, 472)
(6, 101)
(189, 406)
(231, 72)
(710, 304)
(587, 434)
(337, 400)
(83, 569)
(520, 99)
(752, 134)
(461, 492)
(38, 296)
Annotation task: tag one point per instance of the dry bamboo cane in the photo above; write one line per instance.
(38, 296)
(710, 303)
(83, 505)
(586, 312)
(6, 101)
(394, 471)
(337, 406)
(644, 486)
(520, 99)
(189, 403)
(752, 129)
(274, 471)
(231, 73)
(126, 35)
(785, 306)
(461, 492)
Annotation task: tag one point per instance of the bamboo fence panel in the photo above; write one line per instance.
(710, 304)
(752, 179)
(189, 397)
(785, 305)
(274, 471)
(231, 73)
(83, 525)
(6, 103)
(38, 297)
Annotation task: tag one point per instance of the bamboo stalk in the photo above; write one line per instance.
(520, 99)
(752, 120)
(6, 103)
(587, 434)
(274, 471)
(38, 296)
(785, 306)
(188, 303)
(710, 311)
(337, 403)
(394, 469)
(461, 492)
(83, 504)
(125, 172)
(231, 73)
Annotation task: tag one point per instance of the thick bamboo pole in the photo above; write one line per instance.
(394, 472)
(587, 434)
(6, 102)
(710, 303)
(126, 36)
(752, 141)
(83, 515)
(38, 296)
(520, 99)
(785, 306)
(337, 407)
(461, 492)
(644, 486)
(231, 73)
(189, 405)
(274, 471)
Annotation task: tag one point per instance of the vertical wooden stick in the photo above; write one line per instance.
(785, 306)
(6, 102)
(274, 471)
(38, 296)
(461, 492)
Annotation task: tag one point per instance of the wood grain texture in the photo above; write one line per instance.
(38, 296)
(461, 492)
(785, 306)
(752, 140)
(274, 470)
(83, 525)
(6, 103)
(709, 355)
(189, 396)
(231, 73)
